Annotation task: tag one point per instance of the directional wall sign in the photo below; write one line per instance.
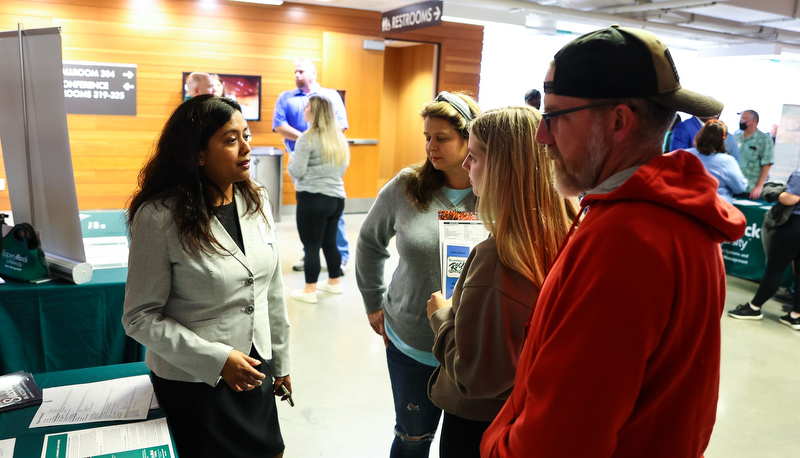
(411, 17)
(100, 88)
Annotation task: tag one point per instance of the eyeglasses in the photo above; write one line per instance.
(546, 117)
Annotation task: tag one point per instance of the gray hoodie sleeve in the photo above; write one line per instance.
(373, 241)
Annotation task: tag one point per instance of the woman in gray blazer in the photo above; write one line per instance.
(204, 292)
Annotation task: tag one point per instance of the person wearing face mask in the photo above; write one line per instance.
(756, 151)
(407, 209)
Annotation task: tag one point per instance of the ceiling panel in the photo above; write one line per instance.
(724, 21)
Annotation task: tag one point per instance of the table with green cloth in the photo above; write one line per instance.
(57, 325)
(745, 257)
(29, 441)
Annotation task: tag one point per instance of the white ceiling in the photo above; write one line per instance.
(723, 25)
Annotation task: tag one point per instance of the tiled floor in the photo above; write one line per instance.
(344, 404)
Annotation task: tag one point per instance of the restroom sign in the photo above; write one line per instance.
(412, 17)
(99, 88)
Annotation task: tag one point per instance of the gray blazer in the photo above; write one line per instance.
(189, 310)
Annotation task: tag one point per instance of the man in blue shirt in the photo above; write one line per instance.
(684, 133)
(289, 122)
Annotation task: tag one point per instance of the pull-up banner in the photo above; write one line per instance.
(100, 88)
(412, 17)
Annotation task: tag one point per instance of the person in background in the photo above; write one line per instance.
(289, 122)
(407, 208)
(622, 360)
(204, 292)
(684, 134)
(783, 249)
(756, 151)
(219, 85)
(480, 329)
(321, 157)
(199, 83)
(710, 141)
(533, 98)
(668, 137)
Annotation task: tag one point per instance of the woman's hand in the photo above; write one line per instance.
(436, 302)
(378, 324)
(239, 373)
(276, 387)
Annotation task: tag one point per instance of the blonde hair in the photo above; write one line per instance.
(425, 178)
(332, 143)
(519, 204)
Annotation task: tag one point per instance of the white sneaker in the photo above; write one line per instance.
(300, 295)
(329, 288)
(300, 265)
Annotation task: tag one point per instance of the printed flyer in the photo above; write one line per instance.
(147, 439)
(459, 232)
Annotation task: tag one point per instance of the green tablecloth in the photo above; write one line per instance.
(745, 257)
(57, 325)
(29, 441)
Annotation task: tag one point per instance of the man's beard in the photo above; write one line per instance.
(583, 175)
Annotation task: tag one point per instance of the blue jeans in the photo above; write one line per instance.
(341, 241)
(416, 417)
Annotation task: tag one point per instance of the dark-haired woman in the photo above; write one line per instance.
(204, 292)
(709, 145)
(407, 208)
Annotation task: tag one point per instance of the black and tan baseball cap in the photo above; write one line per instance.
(623, 62)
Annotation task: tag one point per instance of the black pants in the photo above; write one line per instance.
(783, 249)
(317, 221)
(461, 438)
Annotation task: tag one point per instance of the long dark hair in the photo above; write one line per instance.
(425, 179)
(172, 172)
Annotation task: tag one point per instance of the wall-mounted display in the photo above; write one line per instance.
(244, 89)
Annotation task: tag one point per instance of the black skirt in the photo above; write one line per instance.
(216, 421)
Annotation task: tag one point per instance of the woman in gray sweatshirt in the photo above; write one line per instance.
(320, 158)
(407, 208)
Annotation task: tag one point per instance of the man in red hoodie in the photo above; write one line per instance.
(623, 349)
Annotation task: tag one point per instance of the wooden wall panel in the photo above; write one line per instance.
(411, 85)
(389, 109)
(173, 36)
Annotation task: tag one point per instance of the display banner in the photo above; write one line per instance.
(100, 88)
(41, 183)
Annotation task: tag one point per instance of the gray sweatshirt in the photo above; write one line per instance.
(310, 174)
(418, 272)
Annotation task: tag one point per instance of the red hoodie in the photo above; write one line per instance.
(622, 354)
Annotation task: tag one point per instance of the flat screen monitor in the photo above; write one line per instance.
(244, 89)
